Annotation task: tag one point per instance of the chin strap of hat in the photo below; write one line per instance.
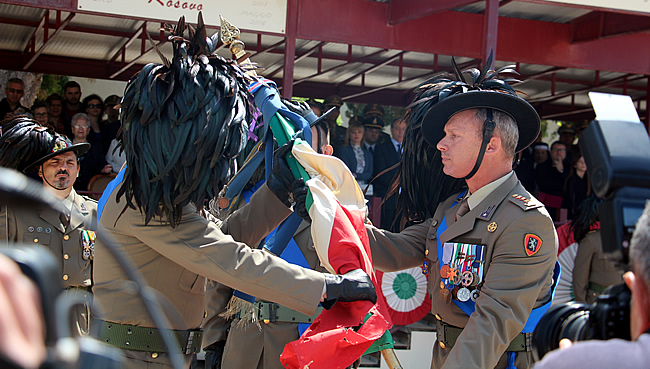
(48, 182)
(488, 128)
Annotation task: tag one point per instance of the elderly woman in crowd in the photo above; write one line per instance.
(93, 162)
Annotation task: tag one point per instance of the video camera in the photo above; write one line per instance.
(617, 154)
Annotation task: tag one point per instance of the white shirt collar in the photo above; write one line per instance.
(475, 198)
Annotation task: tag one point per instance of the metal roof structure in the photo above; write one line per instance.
(369, 51)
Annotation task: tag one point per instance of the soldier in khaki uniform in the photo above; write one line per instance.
(175, 158)
(71, 235)
(490, 250)
(265, 341)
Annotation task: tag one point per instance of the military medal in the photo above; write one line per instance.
(445, 295)
(425, 267)
(467, 278)
(445, 271)
(454, 276)
(442, 285)
(463, 294)
(87, 244)
(474, 295)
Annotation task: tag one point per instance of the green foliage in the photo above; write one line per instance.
(52, 84)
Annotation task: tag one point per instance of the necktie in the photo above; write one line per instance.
(463, 208)
(399, 149)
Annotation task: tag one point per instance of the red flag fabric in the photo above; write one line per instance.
(338, 336)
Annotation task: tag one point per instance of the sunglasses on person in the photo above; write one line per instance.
(15, 90)
(94, 106)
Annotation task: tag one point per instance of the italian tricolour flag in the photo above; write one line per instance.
(338, 336)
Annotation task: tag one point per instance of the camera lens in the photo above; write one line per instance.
(562, 321)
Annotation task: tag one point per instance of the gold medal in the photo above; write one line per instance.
(442, 285)
(445, 295)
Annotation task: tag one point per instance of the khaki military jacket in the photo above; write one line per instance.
(177, 261)
(514, 282)
(592, 266)
(43, 226)
(265, 343)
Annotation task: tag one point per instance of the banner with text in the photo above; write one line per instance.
(255, 15)
(629, 5)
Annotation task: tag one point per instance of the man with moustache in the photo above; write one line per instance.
(69, 235)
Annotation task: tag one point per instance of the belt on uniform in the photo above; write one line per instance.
(269, 312)
(448, 334)
(81, 288)
(133, 337)
(597, 288)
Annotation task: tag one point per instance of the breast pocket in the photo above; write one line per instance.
(191, 283)
(43, 239)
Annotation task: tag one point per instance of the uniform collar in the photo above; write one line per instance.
(482, 193)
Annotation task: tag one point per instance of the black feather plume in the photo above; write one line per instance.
(184, 122)
(23, 142)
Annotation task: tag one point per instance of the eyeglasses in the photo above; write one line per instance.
(80, 127)
(94, 106)
(15, 90)
(40, 114)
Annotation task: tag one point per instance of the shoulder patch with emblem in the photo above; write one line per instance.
(525, 203)
(532, 244)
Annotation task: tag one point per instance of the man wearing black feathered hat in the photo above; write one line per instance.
(489, 249)
(69, 235)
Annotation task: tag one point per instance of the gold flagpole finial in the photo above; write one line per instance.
(229, 35)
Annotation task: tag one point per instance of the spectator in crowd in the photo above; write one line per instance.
(55, 112)
(577, 186)
(69, 235)
(115, 156)
(372, 130)
(72, 104)
(93, 161)
(372, 111)
(316, 107)
(39, 111)
(354, 155)
(550, 177)
(532, 156)
(337, 133)
(540, 153)
(10, 106)
(567, 134)
(386, 156)
(593, 270)
(617, 353)
(111, 125)
(93, 106)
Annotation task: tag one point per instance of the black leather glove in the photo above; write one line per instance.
(281, 176)
(354, 285)
(300, 190)
(298, 107)
(213, 355)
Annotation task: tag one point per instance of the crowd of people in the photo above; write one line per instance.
(489, 246)
(92, 120)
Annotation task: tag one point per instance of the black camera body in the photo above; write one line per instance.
(617, 155)
(607, 318)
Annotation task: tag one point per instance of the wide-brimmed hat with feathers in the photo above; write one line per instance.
(451, 94)
(26, 145)
(184, 122)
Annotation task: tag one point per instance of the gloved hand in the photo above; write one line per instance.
(299, 107)
(354, 285)
(213, 355)
(300, 190)
(281, 176)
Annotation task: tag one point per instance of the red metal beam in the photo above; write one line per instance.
(406, 10)
(46, 38)
(270, 72)
(597, 25)
(290, 48)
(611, 82)
(374, 67)
(359, 60)
(490, 30)
(460, 34)
(122, 49)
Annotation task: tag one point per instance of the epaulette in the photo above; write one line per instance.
(524, 202)
(86, 198)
